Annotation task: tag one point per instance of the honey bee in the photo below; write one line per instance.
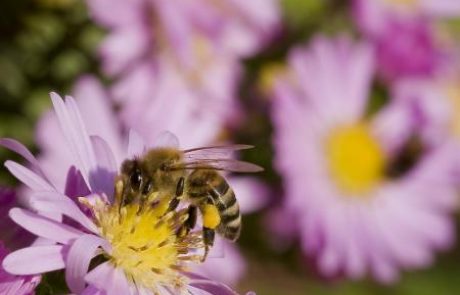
(192, 175)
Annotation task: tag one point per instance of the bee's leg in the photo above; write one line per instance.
(190, 222)
(180, 187)
(208, 239)
(119, 187)
(211, 219)
(179, 192)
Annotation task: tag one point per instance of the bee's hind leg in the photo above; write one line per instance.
(190, 222)
(211, 220)
(208, 239)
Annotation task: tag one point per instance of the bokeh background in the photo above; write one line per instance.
(49, 45)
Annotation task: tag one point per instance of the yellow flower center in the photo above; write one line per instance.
(145, 244)
(356, 160)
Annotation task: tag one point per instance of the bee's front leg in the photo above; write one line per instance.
(179, 192)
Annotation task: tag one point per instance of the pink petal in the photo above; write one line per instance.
(136, 145)
(57, 203)
(19, 148)
(120, 13)
(166, 139)
(90, 290)
(28, 177)
(227, 269)
(96, 108)
(44, 227)
(34, 260)
(123, 47)
(251, 193)
(108, 278)
(212, 287)
(104, 176)
(74, 130)
(80, 254)
(177, 29)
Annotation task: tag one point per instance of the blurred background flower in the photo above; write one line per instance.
(355, 211)
(352, 106)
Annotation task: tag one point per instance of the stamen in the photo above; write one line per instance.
(145, 243)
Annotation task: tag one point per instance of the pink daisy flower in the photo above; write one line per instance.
(189, 50)
(185, 32)
(96, 110)
(348, 211)
(137, 258)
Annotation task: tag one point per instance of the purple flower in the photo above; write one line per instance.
(95, 107)
(408, 42)
(11, 235)
(15, 285)
(409, 49)
(373, 15)
(349, 213)
(138, 258)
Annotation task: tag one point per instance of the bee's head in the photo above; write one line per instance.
(137, 180)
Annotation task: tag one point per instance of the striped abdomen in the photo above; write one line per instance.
(225, 201)
(204, 184)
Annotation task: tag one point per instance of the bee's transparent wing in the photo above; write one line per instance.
(166, 139)
(219, 164)
(214, 152)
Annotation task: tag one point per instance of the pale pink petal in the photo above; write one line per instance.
(120, 13)
(177, 30)
(28, 177)
(75, 133)
(35, 260)
(58, 203)
(212, 287)
(166, 139)
(393, 126)
(123, 46)
(78, 259)
(108, 278)
(20, 149)
(227, 269)
(90, 290)
(251, 193)
(136, 145)
(43, 226)
(97, 111)
(107, 168)
(441, 8)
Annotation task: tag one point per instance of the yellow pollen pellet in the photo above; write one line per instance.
(211, 216)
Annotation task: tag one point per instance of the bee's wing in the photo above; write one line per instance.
(219, 164)
(214, 152)
(166, 139)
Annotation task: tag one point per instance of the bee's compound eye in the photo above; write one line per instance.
(147, 187)
(136, 179)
